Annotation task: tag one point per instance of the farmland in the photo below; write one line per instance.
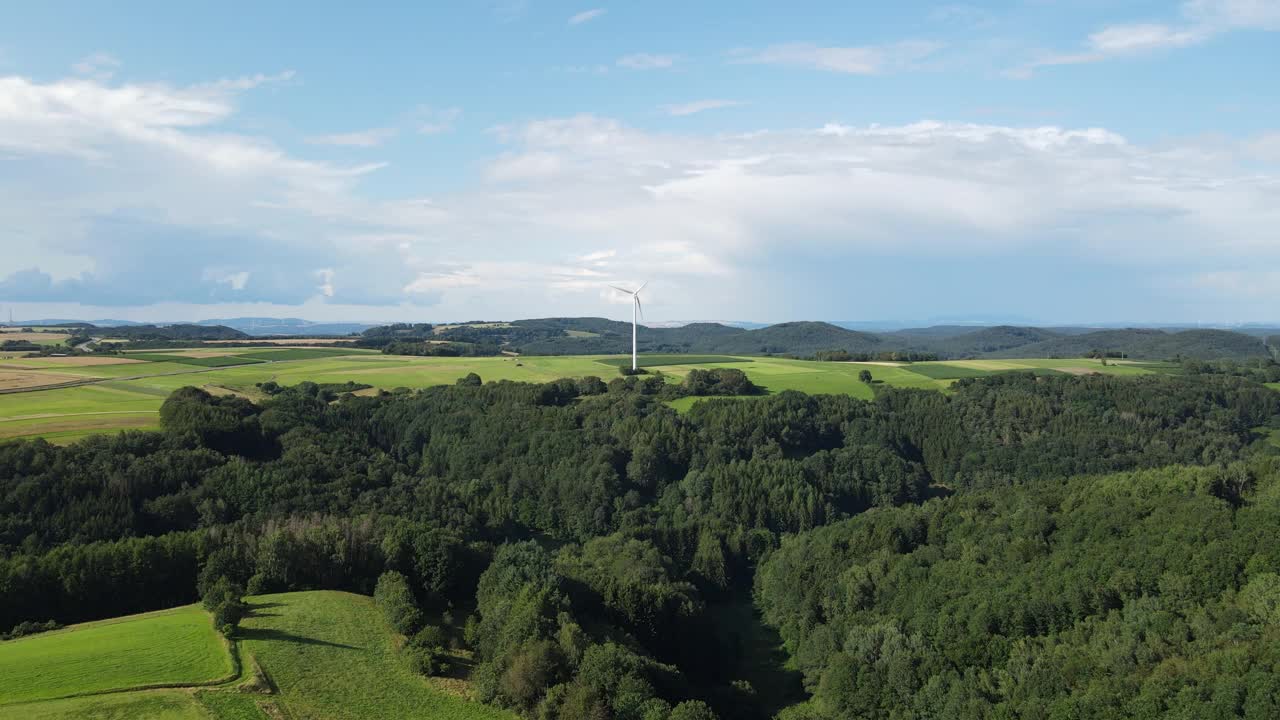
(328, 654)
(127, 393)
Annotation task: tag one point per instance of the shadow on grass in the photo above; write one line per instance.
(282, 636)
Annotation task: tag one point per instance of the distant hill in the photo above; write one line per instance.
(264, 326)
(1147, 344)
(600, 336)
(170, 332)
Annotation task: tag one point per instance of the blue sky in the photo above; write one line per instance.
(1056, 161)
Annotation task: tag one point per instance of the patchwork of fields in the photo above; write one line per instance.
(126, 392)
(328, 654)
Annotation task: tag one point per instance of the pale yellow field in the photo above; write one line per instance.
(14, 379)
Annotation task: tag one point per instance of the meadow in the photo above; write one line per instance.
(175, 647)
(127, 394)
(328, 654)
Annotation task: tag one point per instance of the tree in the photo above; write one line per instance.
(865, 376)
(693, 710)
(471, 380)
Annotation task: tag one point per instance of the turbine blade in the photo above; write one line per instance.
(639, 306)
(646, 282)
(615, 287)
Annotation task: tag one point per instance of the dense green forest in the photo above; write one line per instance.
(1023, 547)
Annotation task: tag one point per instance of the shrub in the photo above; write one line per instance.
(398, 606)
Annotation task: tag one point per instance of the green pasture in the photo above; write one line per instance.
(332, 657)
(329, 654)
(65, 414)
(648, 361)
(171, 647)
(143, 705)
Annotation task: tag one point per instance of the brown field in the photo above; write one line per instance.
(295, 342)
(14, 379)
(81, 361)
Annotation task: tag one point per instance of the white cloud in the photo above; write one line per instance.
(526, 166)
(361, 138)
(571, 204)
(586, 16)
(100, 66)
(865, 60)
(646, 61)
(1201, 21)
(433, 121)
(698, 106)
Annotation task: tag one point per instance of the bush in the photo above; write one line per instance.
(398, 606)
(29, 627)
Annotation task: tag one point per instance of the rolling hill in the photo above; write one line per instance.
(314, 654)
(600, 336)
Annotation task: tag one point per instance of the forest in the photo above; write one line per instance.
(1021, 547)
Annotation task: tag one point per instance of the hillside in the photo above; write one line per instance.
(327, 654)
(1146, 344)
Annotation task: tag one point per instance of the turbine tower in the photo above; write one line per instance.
(635, 309)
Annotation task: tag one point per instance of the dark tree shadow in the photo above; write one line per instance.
(282, 636)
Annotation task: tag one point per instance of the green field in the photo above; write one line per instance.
(329, 655)
(130, 395)
(647, 361)
(1274, 386)
(171, 647)
(143, 705)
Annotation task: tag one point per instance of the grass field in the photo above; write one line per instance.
(647, 361)
(1274, 386)
(331, 657)
(129, 395)
(146, 705)
(329, 654)
(171, 647)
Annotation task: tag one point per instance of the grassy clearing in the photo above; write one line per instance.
(331, 656)
(1274, 386)
(172, 647)
(149, 705)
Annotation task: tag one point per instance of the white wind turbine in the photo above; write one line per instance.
(635, 309)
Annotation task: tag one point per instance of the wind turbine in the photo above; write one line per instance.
(635, 309)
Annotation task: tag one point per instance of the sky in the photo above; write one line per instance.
(1045, 160)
